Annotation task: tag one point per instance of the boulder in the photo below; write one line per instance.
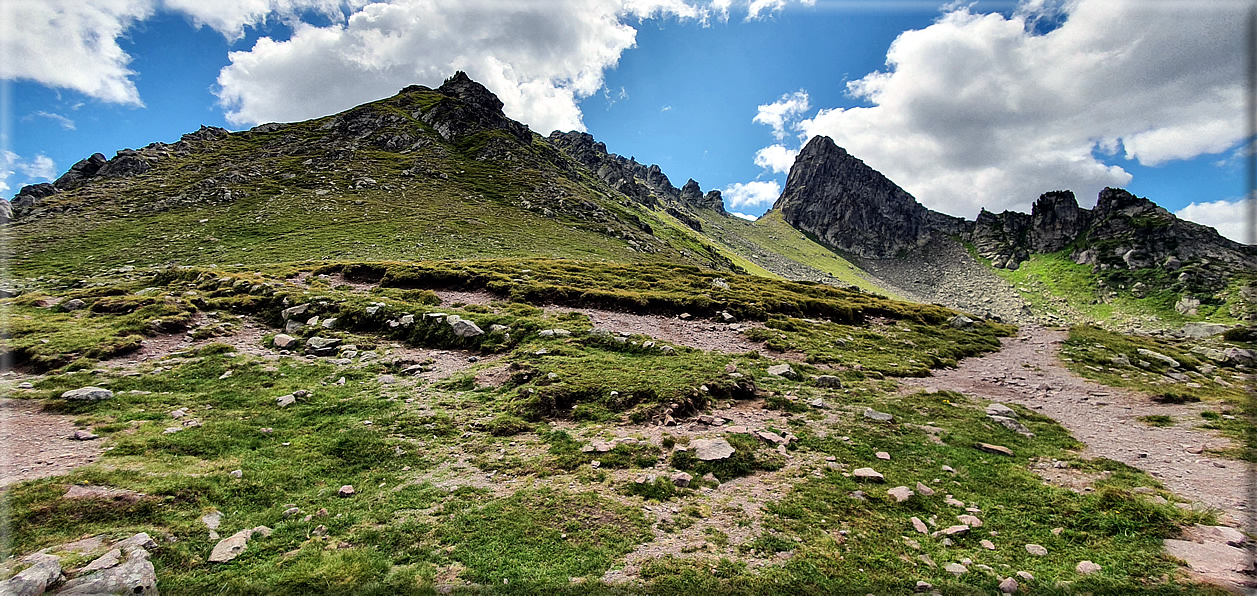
(87, 394)
(900, 493)
(711, 449)
(961, 322)
(868, 474)
(783, 370)
(464, 328)
(284, 342)
(32, 581)
(1202, 330)
(828, 381)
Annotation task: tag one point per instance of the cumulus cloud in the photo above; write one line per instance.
(758, 193)
(38, 168)
(540, 58)
(744, 216)
(71, 44)
(776, 158)
(986, 110)
(783, 113)
(230, 17)
(1230, 218)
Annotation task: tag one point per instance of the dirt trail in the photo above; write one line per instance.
(1026, 371)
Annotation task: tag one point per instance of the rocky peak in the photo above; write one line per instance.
(461, 87)
(474, 109)
(852, 207)
(1056, 220)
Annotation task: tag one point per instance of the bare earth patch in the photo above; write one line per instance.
(37, 444)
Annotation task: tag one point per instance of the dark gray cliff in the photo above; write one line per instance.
(850, 206)
(647, 185)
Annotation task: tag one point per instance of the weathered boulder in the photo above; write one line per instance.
(87, 394)
(44, 571)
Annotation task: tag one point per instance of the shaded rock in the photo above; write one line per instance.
(1012, 424)
(828, 381)
(711, 449)
(346, 491)
(465, 328)
(284, 342)
(961, 322)
(87, 394)
(83, 435)
(73, 305)
(32, 581)
(1008, 586)
(295, 311)
(682, 479)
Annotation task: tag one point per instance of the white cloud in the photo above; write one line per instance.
(38, 168)
(1230, 218)
(776, 158)
(540, 58)
(744, 216)
(757, 193)
(758, 9)
(65, 123)
(230, 17)
(979, 110)
(783, 113)
(665, 109)
(71, 44)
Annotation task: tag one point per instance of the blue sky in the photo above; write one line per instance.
(985, 104)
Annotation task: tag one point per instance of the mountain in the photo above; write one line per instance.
(1129, 244)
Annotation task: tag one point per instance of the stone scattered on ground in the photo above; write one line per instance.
(868, 474)
(1008, 586)
(872, 414)
(900, 493)
(996, 449)
(346, 491)
(231, 546)
(955, 569)
(87, 394)
(919, 525)
(1087, 568)
(711, 449)
(1036, 550)
(783, 370)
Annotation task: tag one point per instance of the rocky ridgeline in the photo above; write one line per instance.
(647, 185)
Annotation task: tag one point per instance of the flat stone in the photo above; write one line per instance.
(900, 493)
(969, 520)
(953, 530)
(105, 561)
(83, 435)
(924, 490)
(998, 409)
(783, 370)
(285, 400)
(212, 519)
(711, 449)
(1025, 576)
(882, 455)
(919, 525)
(771, 437)
(1008, 586)
(872, 414)
(996, 449)
(231, 546)
(87, 394)
(1221, 534)
(987, 544)
(80, 491)
(868, 474)
(1210, 557)
(955, 569)
(1036, 550)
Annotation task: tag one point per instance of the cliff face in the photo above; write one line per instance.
(852, 207)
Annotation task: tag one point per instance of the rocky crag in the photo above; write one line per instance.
(1131, 243)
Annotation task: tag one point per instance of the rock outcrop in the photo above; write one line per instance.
(852, 207)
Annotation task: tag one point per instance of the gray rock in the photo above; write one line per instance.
(73, 305)
(924, 490)
(1036, 550)
(872, 414)
(919, 525)
(1210, 557)
(998, 409)
(867, 474)
(1008, 586)
(1187, 305)
(1202, 330)
(682, 479)
(955, 569)
(134, 576)
(711, 449)
(284, 341)
(996, 449)
(1220, 534)
(771, 437)
(1012, 425)
(465, 328)
(1159, 357)
(828, 381)
(295, 311)
(32, 581)
(783, 370)
(346, 491)
(82, 435)
(961, 322)
(969, 520)
(87, 394)
(285, 400)
(105, 561)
